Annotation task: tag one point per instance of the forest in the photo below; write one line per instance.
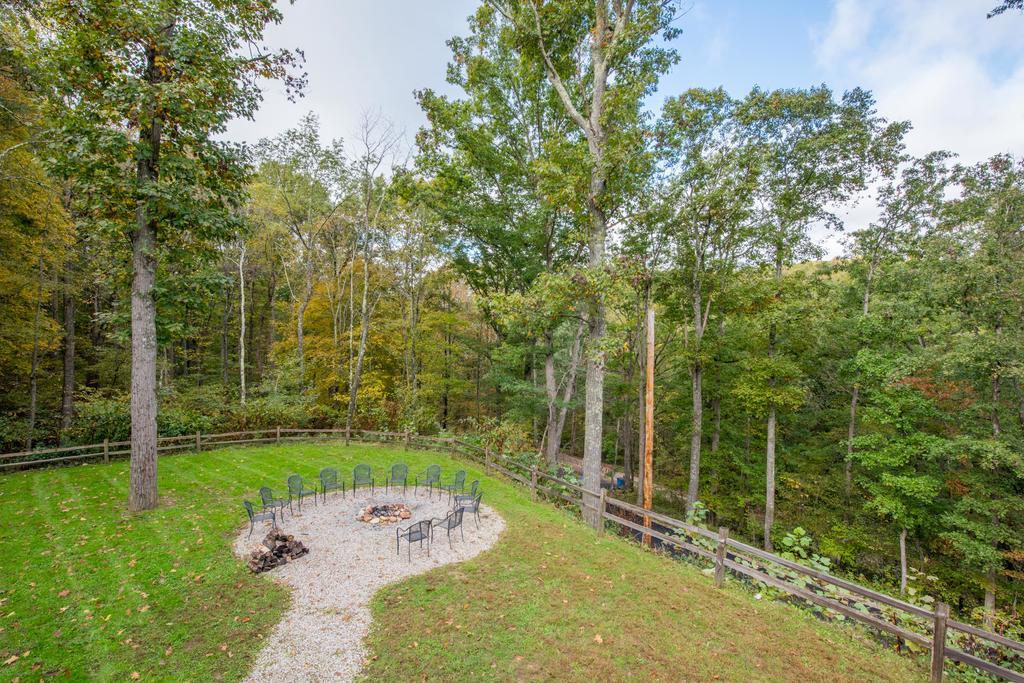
(490, 274)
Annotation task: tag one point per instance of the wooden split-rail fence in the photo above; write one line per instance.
(858, 603)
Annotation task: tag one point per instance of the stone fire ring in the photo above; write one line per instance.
(320, 638)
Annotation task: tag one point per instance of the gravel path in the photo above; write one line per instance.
(321, 637)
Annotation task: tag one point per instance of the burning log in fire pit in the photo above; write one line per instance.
(384, 514)
(277, 549)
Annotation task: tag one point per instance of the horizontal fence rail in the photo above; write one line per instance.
(813, 586)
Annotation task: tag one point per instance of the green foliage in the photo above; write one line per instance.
(798, 546)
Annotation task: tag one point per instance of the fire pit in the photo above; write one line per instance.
(385, 513)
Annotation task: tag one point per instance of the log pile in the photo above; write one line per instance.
(278, 548)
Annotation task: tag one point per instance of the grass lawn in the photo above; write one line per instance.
(88, 591)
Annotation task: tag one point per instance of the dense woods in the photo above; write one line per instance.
(492, 275)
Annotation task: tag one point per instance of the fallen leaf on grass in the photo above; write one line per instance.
(598, 639)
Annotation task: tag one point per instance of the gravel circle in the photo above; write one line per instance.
(321, 636)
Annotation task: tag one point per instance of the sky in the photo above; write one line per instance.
(940, 64)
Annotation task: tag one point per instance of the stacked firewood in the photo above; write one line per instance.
(277, 549)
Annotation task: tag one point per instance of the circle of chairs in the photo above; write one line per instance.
(462, 499)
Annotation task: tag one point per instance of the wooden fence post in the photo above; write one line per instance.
(106, 450)
(723, 538)
(602, 505)
(278, 433)
(487, 459)
(348, 434)
(939, 641)
(408, 440)
(533, 483)
(199, 440)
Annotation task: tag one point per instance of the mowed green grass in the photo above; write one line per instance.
(90, 592)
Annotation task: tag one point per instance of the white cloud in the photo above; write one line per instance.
(847, 29)
(955, 75)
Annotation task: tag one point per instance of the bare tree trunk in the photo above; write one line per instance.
(903, 561)
(697, 391)
(67, 406)
(769, 495)
(990, 598)
(143, 473)
(627, 449)
(716, 402)
(225, 318)
(241, 329)
(593, 411)
(300, 337)
(769, 502)
(33, 379)
(851, 433)
(551, 391)
(364, 330)
(553, 442)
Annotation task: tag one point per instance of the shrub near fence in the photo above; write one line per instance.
(861, 604)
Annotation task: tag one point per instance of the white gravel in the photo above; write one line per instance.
(321, 636)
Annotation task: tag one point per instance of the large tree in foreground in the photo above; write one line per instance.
(141, 88)
(601, 58)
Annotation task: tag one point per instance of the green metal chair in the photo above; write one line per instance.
(258, 517)
(458, 484)
(452, 521)
(268, 500)
(362, 475)
(297, 491)
(431, 478)
(471, 503)
(329, 482)
(399, 475)
(418, 531)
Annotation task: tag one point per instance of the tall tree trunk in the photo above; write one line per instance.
(697, 395)
(300, 335)
(990, 598)
(696, 433)
(143, 473)
(67, 405)
(241, 323)
(627, 449)
(594, 406)
(903, 561)
(33, 379)
(769, 473)
(716, 402)
(364, 331)
(551, 391)
(769, 498)
(851, 433)
(225, 319)
(851, 429)
(553, 438)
